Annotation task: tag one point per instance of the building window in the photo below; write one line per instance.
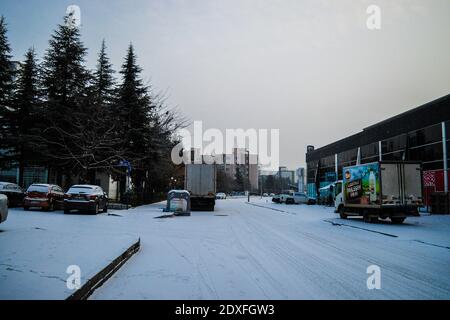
(393, 144)
(369, 151)
(432, 165)
(348, 158)
(427, 135)
(393, 156)
(34, 175)
(311, 171)
(427, 153)
(9, 175)
(369, 160)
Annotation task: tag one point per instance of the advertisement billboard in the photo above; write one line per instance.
(361, 184)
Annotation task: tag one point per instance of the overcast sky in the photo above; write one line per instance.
(310, 68)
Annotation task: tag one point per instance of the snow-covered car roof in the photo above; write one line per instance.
(42, 185)
(179, 191)
(2, 184)
(84, 186)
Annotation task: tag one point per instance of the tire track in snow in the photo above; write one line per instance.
(397, 272)
(306, 261)
(198, 266)
(274, 284)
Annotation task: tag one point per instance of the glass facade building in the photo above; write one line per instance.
(419, 134)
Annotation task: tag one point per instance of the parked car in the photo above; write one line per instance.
(14, 193)
(272, 195)
(3, 207)
(299, 198)
(286, 194)
(276, 198)
(44, 196)
(85, 198)
(265, 195)
(221, 195)
(290, 197)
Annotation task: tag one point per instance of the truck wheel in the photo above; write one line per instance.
(342, 213)
(66, 211)
(397, 220)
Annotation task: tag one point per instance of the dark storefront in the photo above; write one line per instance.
(417, 134)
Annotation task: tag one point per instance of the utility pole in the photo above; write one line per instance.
(248, 174)
(260, 183)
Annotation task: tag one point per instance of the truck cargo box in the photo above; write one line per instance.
(385, 189)
(383, 184)
(200, 181)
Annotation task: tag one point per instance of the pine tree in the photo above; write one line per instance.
(65, 84)
(239, 179)
(134, 112)
(25, 114)
(6, 87)
(81, 133)
(103, 80)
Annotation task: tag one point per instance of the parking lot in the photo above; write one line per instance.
(37, 247)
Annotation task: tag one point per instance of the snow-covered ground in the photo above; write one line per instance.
(250, 251)
(241, 251)
(37, 247)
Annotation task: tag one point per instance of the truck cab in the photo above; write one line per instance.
(338, 200)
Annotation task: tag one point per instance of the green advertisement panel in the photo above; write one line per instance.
(362, 184)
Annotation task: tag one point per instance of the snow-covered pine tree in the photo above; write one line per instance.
(6, 87)
(65, 83)
(104, 85)
(135, 111)
(25, 115)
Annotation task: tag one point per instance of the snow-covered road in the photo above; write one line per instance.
(269, 251)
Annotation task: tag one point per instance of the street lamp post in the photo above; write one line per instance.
(248, 174)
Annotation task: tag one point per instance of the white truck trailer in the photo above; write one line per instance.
(200, 181)
(385, 189)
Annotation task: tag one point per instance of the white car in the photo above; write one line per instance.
(297, 198)
(3, 207)
(301, 198)
(221, 195)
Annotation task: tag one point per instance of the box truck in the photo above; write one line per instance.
(200, 181)
(385, 189)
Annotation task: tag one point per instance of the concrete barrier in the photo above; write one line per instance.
(100, 278)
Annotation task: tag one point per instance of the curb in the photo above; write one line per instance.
(101, 277)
